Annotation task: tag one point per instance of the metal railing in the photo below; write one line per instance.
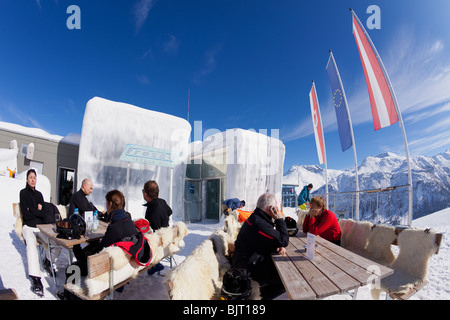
(380, 206)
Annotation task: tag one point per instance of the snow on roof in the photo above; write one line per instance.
(39, 133)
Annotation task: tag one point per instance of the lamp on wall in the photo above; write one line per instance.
(30, 151)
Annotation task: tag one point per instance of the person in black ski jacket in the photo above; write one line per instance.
(79, 200)
(121, 226)
(158, 213)
(261, 235)
(35, 211)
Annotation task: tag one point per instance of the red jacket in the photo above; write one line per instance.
(326, 226)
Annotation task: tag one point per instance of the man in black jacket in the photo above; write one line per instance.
(261, 235)
(79, 200)
(157, 213)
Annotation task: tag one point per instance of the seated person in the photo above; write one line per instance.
(121, 226)
(79, 200)
(322, 222)
(261, 235)
(35, 211)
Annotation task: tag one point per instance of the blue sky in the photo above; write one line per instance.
(247, 63)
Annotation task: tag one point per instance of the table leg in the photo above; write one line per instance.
(51, 260)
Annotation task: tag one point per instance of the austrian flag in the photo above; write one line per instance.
(381, 98)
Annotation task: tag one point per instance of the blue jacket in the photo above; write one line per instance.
(303, 196)
(233, 204)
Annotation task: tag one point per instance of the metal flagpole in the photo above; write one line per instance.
(189, 95)
(399, 114)
(351, 134)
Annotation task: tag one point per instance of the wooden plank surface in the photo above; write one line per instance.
(368, 265)
(98, 264)
(340, 279)
(333, 270)
(311, 271)
(296, 286)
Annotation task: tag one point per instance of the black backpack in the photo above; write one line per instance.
(236, 285)
(291, 225)
(72, 228)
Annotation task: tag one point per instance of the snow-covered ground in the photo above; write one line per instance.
(13, 270)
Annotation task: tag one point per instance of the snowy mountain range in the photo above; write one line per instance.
(430, 175)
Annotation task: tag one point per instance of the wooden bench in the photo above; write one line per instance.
(102, 263)
(8, 294)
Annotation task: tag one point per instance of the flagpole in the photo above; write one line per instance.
(399, 114)
(189, 95)
(351, 134)
(324, 148)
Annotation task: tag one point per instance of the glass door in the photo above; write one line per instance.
(213, 199)
(192, 200)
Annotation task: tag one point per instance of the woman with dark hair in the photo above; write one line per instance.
(34, 212)
(121, 228)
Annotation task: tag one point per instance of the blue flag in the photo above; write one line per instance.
(340, 104)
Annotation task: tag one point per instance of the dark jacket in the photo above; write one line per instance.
(258, 235)
(121, 227)
(29, 200)
(79, 200)
(158, 213)
(233, 203)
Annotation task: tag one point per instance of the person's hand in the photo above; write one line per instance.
(314, 212)
(281, 251)
(274, 212)
(39, 206)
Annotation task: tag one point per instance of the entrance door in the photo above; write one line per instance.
(213, 199)
(65, 185)
(192, 201)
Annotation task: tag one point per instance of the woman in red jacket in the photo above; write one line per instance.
(322, 222)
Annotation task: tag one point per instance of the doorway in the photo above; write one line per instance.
(192, 200)
(66, 178)
(212, 198)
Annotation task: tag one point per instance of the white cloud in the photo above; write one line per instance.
(143, 79)
(420, 116)
(209, 63)
(171, 46)
(141, 11)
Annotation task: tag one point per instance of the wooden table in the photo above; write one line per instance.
(53, 241)
(50, 231)
(333, 270)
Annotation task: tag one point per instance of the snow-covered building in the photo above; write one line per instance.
(123, 146)
(237, 163)
(50, 155)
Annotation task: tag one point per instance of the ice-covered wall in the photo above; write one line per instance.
(107, 128)
(254, 163)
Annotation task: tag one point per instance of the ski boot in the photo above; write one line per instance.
(37, 286)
